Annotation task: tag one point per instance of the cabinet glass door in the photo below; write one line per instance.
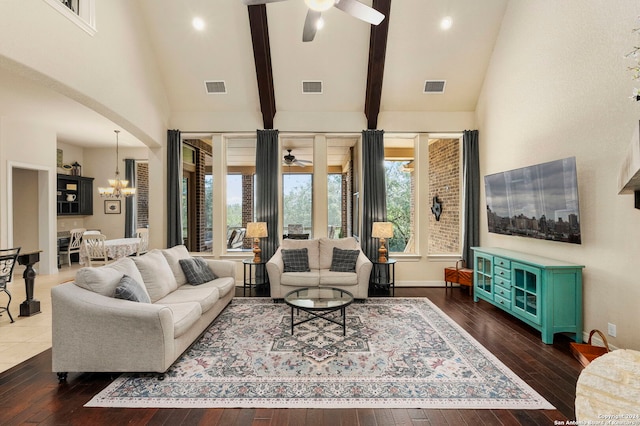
(526, 294)
(484, 274)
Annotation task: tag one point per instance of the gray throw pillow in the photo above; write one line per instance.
(130, 289)
(344, 260)
(197, 270)
(295, 260)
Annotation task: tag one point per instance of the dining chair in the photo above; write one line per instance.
(96, 251)
(143, 245)
(75, 240)
(92, 232)
(7, 262)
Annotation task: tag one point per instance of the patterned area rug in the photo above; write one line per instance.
(397, 353)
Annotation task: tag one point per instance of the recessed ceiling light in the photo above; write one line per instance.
(198, 23)
(446, 23)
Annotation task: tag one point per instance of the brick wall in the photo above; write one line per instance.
(202, 149)
(247, 206)
(142, 195)
(444, 181)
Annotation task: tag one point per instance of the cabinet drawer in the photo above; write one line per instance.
(502, 292)
(502, 272)
(499, 261)
(503, 282)
(506, 303)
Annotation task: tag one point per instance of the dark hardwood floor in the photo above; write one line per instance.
(30, 394)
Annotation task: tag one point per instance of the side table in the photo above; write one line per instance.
(383, 275)
(255, 274)
(30, 306)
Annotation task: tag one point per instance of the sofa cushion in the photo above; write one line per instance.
(130, 289)
(312, 247)
(223, 284)
(344, 260)
(296, 260)
(301, 279)
(173, 256)
(156, 274)
(184, 316)
(197, 270)
(331, 279)
(104, 279)
(326, 246)
(206, 297)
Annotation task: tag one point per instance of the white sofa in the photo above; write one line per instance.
(320, 252)
(95, 332)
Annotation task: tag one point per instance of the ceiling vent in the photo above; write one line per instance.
(434, 86)
(215, 87)
(312, 87)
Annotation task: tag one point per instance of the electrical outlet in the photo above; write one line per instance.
(611, 329)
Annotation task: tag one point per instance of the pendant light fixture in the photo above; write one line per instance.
(117, 188)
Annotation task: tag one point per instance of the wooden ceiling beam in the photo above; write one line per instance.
(375, 71)
(262, 59)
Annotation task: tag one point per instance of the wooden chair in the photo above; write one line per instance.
(7, 262)
(75, 241)
(143, 246)
(96, 252)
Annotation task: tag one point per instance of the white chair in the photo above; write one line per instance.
(92, 232)
(96, 252)
(143, 246)
(74, 243)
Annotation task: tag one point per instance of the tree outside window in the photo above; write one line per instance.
(399, 196)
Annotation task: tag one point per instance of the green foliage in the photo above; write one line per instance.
(398, 205)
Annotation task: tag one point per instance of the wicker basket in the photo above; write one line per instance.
(586, 352)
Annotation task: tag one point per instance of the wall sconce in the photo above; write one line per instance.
(257, 230)
(382, 230)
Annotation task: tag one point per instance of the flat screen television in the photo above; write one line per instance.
(539, 201)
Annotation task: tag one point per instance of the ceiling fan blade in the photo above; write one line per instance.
(360, 11)
(310, 28)
(254, 2)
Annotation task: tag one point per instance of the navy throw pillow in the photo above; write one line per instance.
(296, 260)
(344, 260)
(197, 270)
(130, 289)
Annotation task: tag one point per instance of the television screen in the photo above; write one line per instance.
(538, 201)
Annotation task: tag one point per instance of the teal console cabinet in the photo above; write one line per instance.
(544, 293)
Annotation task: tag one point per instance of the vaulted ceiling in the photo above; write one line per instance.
(258, 52)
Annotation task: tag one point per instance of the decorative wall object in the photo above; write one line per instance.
(436, 208)
(112, 207)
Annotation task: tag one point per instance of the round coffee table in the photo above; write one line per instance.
(319, 302)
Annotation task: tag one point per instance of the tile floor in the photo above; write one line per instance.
(28, 336)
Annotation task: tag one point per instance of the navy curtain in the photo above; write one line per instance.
(471, 179)
(130, 202)
(267, 162)
(374, 200)
(174, 158)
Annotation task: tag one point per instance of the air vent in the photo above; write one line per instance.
(312, 87)
(434, 86)
(215, 87)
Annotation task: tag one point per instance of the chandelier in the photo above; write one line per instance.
(118, 188)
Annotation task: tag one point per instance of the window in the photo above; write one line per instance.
(80, 12)
(297, 202)
(335, 195)
(445, 183)
(400, 181)
(240, 192)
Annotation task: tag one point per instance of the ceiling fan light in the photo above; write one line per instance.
(319, 5)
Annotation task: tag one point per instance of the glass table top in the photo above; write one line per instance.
(318, 298)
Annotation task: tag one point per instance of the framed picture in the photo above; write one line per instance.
(111, 206)
(59, 162)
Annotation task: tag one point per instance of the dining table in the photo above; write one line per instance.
(115, 248)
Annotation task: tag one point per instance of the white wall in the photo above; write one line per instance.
(25, 209)
(558, 86)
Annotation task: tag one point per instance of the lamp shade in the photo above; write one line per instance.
(257, 229)
(382, 230)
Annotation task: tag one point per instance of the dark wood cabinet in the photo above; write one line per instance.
(74, 195)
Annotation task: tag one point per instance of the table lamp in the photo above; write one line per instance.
(382, 230)
(256, 230)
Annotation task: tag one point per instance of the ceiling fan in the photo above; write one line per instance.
(291, 160)
(313, 21)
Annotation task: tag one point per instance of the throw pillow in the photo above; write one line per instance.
(344, 260)
(197, 270)
(130, 289)
(156, 274)
(295, 260)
